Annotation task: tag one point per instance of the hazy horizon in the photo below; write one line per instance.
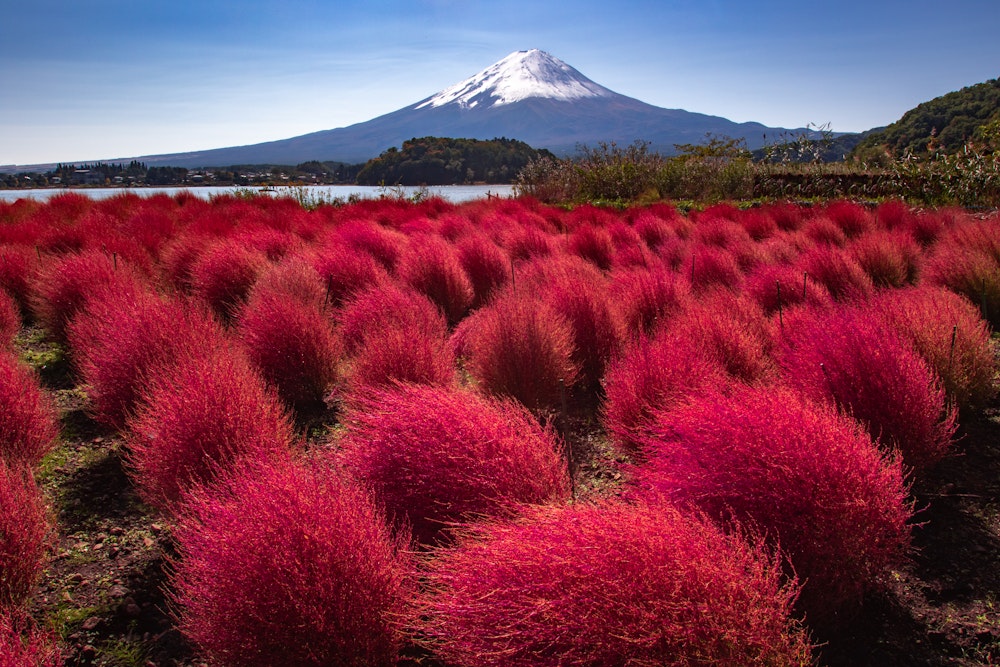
(111, 79)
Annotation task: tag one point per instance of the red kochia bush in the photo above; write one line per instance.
(16, 266)
(647, 297)
(806, 478)
(395, 354)
(289, 565)
(387, 306)
(294, 347)
(431, 266)
(780, 285)
(10, 319)
(655, 374)
(23, 644)
(28, 426)
(434, 456)
(890, 258)
(198, 417)
(223, 274)
(24, 533)
(63, 285)
(522, 348)
(952, 337)
(855, 360)
(344, 270)
(486, 265)
(120, 339)
(609, 584)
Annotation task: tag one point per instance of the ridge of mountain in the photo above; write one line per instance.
(530, 96)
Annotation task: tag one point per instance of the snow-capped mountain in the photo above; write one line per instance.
(517, 77)
(529, 95)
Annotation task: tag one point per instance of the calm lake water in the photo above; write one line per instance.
(453, 193)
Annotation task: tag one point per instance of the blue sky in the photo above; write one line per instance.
(110, 78)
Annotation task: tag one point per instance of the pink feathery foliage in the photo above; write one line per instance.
(292, 278)
(151, 227)
(788, 216)
(523, 243)
(647, 297)
(759, 223)
(385, 245)
(24, 644)
(223, 274)
(952, 337)
(294, 347)
(592, 243)
(720, 232)
(431, 266)
(775, 286)
(837, 271)
(387, 306)
(289, 564)
(25, 533)
(894, 215)
(854, 359)
(28, 427)
(731, 331)
(394, 354)
(17, 267)
(630, 248)
(927, 226)
(968, 267)
(823, 231)
(890, 258)
(10, 319)
(177, 258)
(64, 283)
(654, 230)
(120, 339)
(852, 218)
(344, 271)
(486, 265)
(578, 291)
(520, 347)
(274, 244)
(202, 415)
(806, 478)
(654, 375)
(434, 456)
(711, 267)
(608, 584)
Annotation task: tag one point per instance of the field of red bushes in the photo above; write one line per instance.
(242, 432)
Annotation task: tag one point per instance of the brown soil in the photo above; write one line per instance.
(104, 589)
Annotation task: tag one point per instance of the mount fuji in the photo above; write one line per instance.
(529, 95)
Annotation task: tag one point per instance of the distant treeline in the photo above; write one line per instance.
(443, 161)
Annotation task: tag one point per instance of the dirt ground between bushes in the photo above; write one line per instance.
(103, 591)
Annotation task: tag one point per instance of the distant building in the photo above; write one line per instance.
(87, 177)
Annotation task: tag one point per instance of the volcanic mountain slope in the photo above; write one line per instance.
(529, 95)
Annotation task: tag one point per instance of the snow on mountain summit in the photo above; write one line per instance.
(520, 75)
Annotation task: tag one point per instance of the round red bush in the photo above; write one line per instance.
(393, 355)
(24, 644)
(289, 565)
(10, 319)
(609, 584)
(387, 306)
(486, 265)
(952, 337)
(120, 339)
(294, 347)
(647, 297)
(434, 456)
(653, 375)
(223, 274)
(855, 360)
(63, 285)
(198, 418)
(24, 533)
(809, 480)
(28, 427)
(520, 347)
(431, 266)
